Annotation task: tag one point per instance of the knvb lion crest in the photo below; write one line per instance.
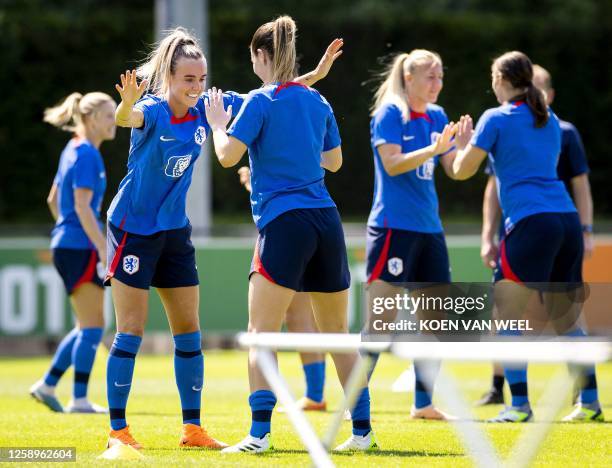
(200, 135)
(395, 266)
(131, 264)
(177, 165)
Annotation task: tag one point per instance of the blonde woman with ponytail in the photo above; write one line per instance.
(78, 245)
(410, 136)
(149, 234)
(292, 137)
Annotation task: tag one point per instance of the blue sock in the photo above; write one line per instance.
(361, 414)
(119, 373)
(516, 376)
(83, 356)
(189, 374)
(588, 381)
(262, 403)
(315, 380)
(422, 392)
(62, 358)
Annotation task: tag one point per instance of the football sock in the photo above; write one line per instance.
(189, 374)
(119, 373)
(62, 359)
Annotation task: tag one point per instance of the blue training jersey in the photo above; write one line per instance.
(80, 166)
(286, 128)
(152, 196)
(406, 201)
(524, 160)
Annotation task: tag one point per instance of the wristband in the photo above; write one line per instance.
(587, 228)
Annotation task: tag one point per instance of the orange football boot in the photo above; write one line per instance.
(306, 404)
(122, 436)
(196, 436)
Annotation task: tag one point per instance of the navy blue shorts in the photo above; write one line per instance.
(400, 256)
(304, 250)
(165, 259)
(542, 248)
(77, 266)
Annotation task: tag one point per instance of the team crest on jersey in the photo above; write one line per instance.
(131, 264)
(395, 266)
(177, 165)
(200, 135)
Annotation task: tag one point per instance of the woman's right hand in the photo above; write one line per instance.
(245, 177)
(129, 90)
(489, 252)
(443, 142)
(218, 117)
(102, 255)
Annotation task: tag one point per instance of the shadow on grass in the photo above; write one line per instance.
(378, 453)
(403, 453)
(541, 421)
(175, 413)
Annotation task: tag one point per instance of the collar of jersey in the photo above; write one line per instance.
(78, 141)
(286, 85)
(419, 115)
(188, 117)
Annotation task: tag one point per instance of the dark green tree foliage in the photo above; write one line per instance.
(52, 48)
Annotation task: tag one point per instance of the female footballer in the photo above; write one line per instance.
(292, 137)
(410, 135)
(77, 243)
(542, 248)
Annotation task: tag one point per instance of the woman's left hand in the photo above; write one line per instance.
(589, 245)
(217, 116)
(331, 54)
(465, 130)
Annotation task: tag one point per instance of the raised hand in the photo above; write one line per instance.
(443, 142)
(217, 116)
(334, 50)
(129, 90)
(465, 130)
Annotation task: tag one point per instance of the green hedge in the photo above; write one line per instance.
(52, 48)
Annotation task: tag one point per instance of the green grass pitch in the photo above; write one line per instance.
(154, 416)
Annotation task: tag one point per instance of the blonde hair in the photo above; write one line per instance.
(393, 86)
(161, 62)
(277, 38)
(69, 115)
(542, 72)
